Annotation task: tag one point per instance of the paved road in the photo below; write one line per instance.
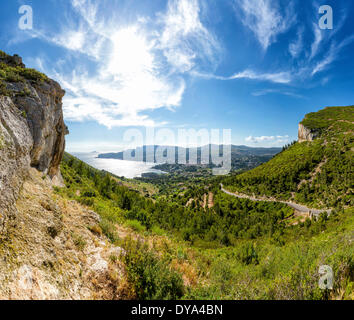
(298, 207)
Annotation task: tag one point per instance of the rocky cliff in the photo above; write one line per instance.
(47, 250)
(32, 129)
(306, 134)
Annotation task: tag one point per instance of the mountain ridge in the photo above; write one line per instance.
(241, 156)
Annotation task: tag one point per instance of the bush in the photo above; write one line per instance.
(32, 74)
(158, 231)
(86, 201)
(3, 54)
(135, 225)
(150, 277)
(3, 89)
(109, 230)
(248, 254)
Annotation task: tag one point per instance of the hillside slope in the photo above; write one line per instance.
(242, 157)
(236, 249)
(75, 232)
(317, 170)
(47, 250)
(32, 130)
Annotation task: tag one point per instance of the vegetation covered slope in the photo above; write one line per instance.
(318, 173)
(236, 249)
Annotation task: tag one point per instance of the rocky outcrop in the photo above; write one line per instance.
(13, 61)
(306, 134)
(15, 146)
(43, 110)
(50, 248)
(49, 251)
(32, 129)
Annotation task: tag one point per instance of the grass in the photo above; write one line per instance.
(79, 242)
(19, 74)
(135, 225)
(324, 118)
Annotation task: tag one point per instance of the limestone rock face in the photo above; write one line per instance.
(15, 146)
(306, 134)
(32, 133)
(43, 109)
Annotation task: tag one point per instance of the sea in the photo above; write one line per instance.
(121, 168)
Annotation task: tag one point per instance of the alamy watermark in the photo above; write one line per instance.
(326, 279)
(189, 146)
(326, 21)
(26, 19)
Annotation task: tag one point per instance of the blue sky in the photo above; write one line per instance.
(253, 66)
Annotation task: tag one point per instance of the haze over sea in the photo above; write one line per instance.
(121, 168)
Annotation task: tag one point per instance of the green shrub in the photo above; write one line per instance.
(3, 90)
(3, 54)
(79, 241)
(32, 74)
(158, 231)
(135, 225)
(248, 254)
(150, 276)
(18, 74)
(86, 201)
(109, 230)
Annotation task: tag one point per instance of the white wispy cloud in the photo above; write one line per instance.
(296, 46)
(277, 91)
(184, 38)
(277, 77)
(130, 78)
(331, 55)
(265, 19)
(318, 37)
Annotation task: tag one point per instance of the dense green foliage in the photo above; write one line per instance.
(151, 277)
(319, 173)
(228, 220)
(19, 74)
(238, 249)
(3, 54)
(9, 73)
(263, 270)
(242, 249)
(323, 119)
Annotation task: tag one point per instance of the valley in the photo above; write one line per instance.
(71, 231)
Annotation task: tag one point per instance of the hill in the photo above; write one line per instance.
(231, 249)
(242, 157)
(317, 170)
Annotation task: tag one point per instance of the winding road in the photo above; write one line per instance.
(298, 207)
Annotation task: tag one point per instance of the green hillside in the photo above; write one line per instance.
(235, 248)
(318, 173)
(238, 249)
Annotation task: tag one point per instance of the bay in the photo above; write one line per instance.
(121, 168)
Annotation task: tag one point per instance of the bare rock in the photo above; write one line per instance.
(15, 147)
(32, 134)
(43, 109)
(306, 134)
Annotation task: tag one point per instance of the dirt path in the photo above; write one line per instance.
(210, 200)
(298, 207)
